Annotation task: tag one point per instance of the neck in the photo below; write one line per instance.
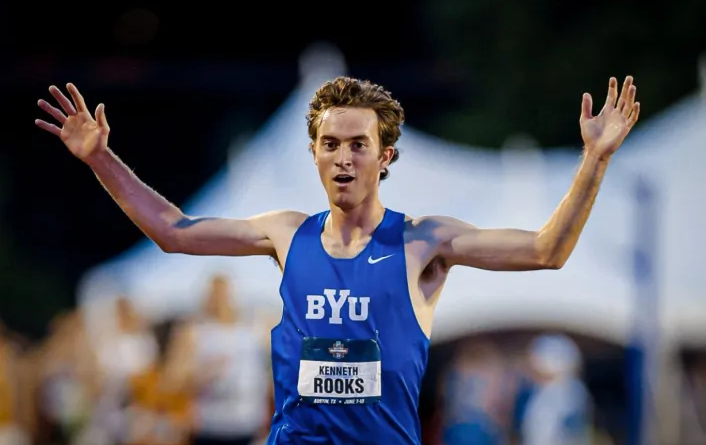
(353, 224)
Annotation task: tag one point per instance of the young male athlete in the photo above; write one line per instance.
(360, 282)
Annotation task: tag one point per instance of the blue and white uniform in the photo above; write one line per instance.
(349, 355)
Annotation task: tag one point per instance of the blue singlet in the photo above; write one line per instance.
(349, 355)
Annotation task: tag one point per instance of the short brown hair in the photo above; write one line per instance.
(349, 92)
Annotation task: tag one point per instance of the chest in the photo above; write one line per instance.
(339, 250)
(336, 291)
(375, 272)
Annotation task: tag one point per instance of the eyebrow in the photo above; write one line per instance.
(359, 137)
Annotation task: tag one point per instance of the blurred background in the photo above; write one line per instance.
(107, 340)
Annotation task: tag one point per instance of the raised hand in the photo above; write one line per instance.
(80, 132)
(603, 134)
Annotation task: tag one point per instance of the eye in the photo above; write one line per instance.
(329, 145)
(357, 145)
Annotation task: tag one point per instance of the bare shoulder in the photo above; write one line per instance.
(280, 219)
(280, 226)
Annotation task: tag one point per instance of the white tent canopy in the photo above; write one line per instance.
(594, 293)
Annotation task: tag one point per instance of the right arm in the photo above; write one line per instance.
(160, 220)
(169, 227)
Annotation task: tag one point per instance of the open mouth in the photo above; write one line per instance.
(343, 179)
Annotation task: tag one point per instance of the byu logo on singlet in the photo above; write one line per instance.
(332, 303)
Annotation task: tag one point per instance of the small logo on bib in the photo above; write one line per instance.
(338, 350)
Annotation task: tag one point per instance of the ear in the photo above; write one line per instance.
(386, 157)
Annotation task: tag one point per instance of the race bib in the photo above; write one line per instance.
(340, 372)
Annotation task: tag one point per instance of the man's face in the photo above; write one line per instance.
(348, 156)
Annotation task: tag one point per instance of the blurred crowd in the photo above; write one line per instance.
(493, 396)
(203, 379)
(206, 379)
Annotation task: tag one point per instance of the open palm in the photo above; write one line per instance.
(604, 133)
(80, 132)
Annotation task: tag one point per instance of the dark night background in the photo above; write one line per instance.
(181, 81)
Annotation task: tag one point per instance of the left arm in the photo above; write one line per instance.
(519, 250)
(550, 247)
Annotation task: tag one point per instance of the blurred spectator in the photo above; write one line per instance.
(11, 430)
(232, 377)
(122, 355)
(135, 347)
(558, 410)
(68, 380)
(476, 397)
(159, 408)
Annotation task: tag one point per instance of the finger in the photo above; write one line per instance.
(612, 93)
(65, 103)
(46, 126)
(100, 116)
(78, 99)
(634, 115)
(624, 92)
(630, 101)
(53, 111)
(586, 107)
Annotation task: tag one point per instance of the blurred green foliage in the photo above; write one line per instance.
(521, 66)
(30, 292)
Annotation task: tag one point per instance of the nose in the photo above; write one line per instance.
(345, 159)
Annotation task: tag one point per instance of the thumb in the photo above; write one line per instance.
(100, 117)
(586, 107)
